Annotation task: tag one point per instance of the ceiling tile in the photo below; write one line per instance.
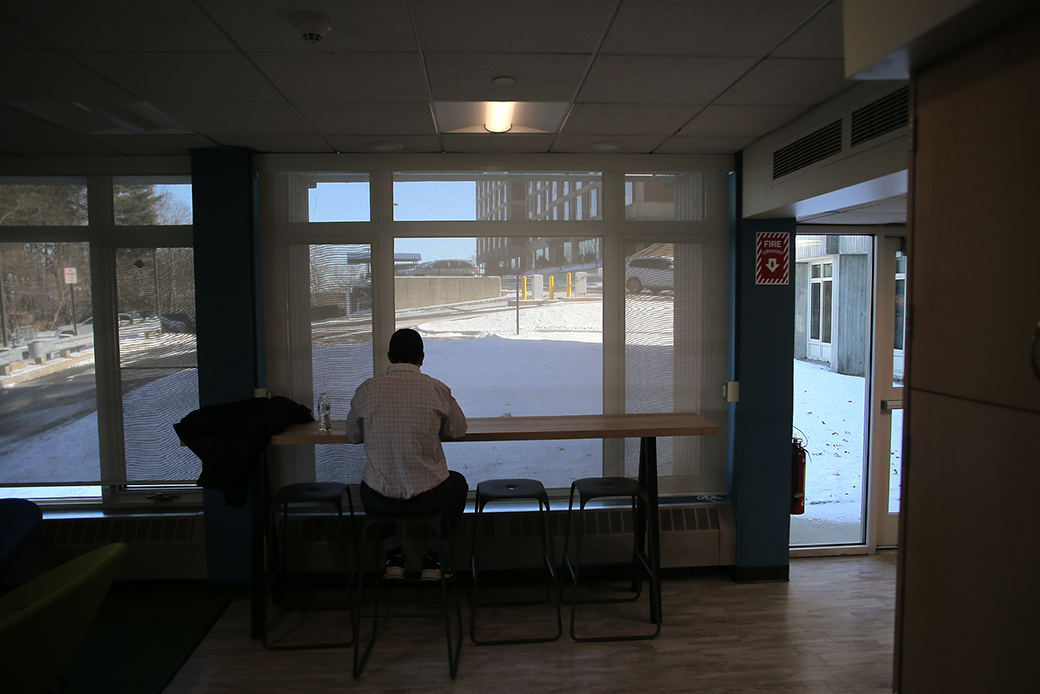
(283, 144)
(162, 145)
(628, 119)
(703, 145)
(22, 134)
(820, 37)
(52, 76)
(739, 120)
(661, 79)
(383, 118)
(531, 26)
(340, 77)
(639, 144)
(121, 25)
(496, 143)
(705, 27)
(539, 77)
(230, 121)
(13, 36)
(794, 81)
(367, 143)
(186, 77)
(268, 25)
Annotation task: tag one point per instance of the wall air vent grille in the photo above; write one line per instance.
(882, 116)
(814, 147)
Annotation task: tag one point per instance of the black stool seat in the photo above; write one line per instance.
(590, 488)
(369, 525)
(515, 489)
(331, 493)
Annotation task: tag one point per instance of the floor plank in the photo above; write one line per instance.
(827, 631)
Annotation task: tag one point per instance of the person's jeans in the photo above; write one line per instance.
(450, 495)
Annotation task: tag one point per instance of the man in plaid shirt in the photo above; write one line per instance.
(401, 417)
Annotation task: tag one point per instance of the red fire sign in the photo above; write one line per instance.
(772, 258)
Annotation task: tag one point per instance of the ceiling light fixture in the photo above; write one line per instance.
(504, 80)
(607, 146)
(498, 118)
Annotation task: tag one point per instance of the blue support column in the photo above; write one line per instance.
(760, 423)
(227, 318)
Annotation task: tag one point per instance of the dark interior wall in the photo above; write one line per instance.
(760, 445)
(227, 317)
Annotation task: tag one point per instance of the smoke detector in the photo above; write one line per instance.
(312, 25)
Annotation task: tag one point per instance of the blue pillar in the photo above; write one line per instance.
(227, 319)
(760, 423)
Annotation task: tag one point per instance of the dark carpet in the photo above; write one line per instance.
(142, 635)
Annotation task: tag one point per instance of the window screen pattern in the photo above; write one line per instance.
(331, 319)
(48, 412)
(675, 360)
(157, 360)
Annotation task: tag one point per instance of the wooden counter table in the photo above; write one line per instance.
(647, 427)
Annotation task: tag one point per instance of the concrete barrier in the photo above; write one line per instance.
(419, 292)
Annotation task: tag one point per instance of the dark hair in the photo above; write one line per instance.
(406, 346)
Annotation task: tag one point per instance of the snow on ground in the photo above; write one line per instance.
(553, 366)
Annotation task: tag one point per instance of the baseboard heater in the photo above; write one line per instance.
(174, 546)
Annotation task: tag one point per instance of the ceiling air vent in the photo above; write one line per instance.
(883, 116)
(810, 149)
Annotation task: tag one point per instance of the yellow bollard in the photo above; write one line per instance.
(552, 284)
(568, 285)
(525, 287)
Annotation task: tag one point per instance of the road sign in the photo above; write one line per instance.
(70, 275)
(772, 258)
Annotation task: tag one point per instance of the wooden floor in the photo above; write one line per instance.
(830, 629)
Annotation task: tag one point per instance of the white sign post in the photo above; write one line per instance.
(71, 279)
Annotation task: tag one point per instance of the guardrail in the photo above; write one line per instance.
(39, 351)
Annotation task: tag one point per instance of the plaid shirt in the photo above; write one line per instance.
(401, 417)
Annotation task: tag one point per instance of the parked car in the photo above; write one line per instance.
(443, 268)
(654, 273)
(177, 323)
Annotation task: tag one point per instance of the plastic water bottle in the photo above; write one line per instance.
(323, 413)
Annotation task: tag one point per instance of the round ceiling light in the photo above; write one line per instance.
(504, 80)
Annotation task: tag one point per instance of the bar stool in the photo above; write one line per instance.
(304, 493)
(621, 487)
(370, 524)
(513, 489)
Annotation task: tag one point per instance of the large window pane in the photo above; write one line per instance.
(48, 403)
(327, 197)
(43, 202)
(498, 196)
(674, 357)
(157, 360)
(502, 357)
(152, 200)
(334, 316)
(665, 197)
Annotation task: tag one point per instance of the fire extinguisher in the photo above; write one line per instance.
(797, 476)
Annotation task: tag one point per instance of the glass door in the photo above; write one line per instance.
(834, 276)
(887, 402)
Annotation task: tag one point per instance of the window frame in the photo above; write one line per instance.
(103, 237)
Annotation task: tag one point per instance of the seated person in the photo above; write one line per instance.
(401, 418)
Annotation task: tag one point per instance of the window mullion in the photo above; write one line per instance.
(106, 334)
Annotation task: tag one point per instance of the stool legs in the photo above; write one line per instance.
(642, 562)
(501, 489)
(369, 526)
(322, 492)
